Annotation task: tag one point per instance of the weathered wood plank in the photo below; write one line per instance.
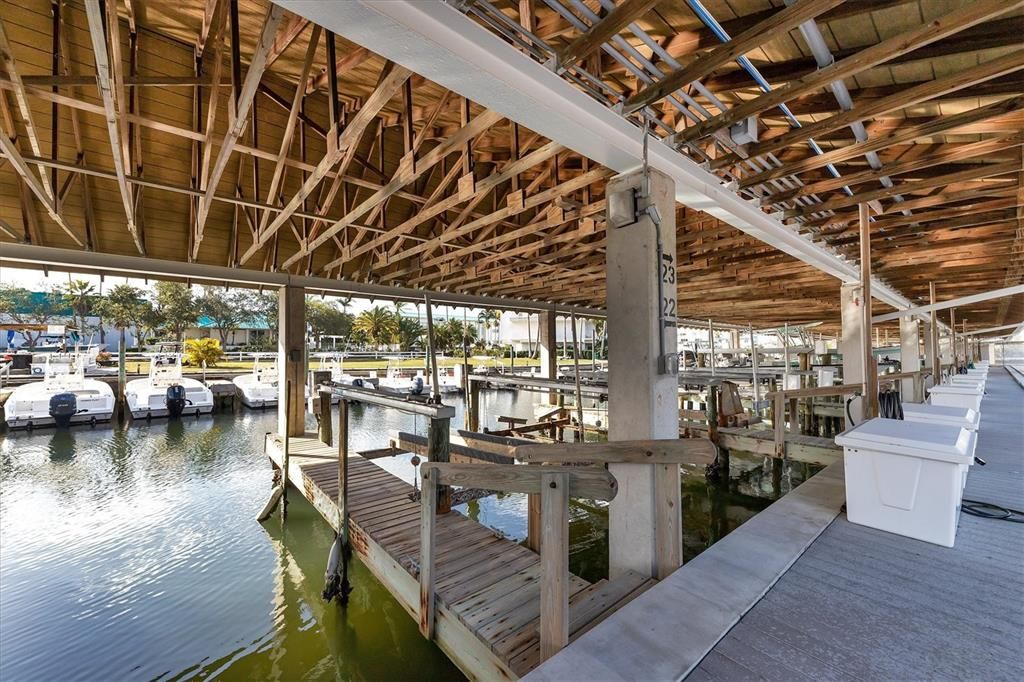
(594, 484)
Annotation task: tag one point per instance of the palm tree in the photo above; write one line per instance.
(489, 319)
(378, 325)
(80, 297)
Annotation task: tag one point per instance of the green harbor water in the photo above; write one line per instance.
(133, 553)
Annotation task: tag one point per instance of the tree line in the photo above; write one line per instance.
(173, 307)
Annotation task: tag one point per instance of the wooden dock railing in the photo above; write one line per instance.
(793, 396)
(554, 485)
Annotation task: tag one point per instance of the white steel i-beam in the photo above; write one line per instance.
(952, 303)
(440, 43)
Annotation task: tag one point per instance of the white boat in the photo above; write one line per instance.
(396, 382)
(449, 380)
(165, 392)
(335, 365)
(258, 389)
(62, 398)
(83, 355)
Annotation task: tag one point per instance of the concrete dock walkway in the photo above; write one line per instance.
(852, 603)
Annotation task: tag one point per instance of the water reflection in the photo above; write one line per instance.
(134, 553)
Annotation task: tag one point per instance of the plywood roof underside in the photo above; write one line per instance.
(537, 233)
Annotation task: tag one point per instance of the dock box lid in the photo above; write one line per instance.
(942, 442)
(943, 414)
(958, 389)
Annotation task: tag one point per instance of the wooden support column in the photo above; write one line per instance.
(644, 522)
(438, 450)
(554, 565)
(291, 360)
(870, 374)
(910, 357)
(936, 350)
(428, 532)
(548, 349)
(850, 343)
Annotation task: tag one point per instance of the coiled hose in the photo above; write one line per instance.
(889, 405)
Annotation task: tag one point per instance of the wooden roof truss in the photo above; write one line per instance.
(261, 140)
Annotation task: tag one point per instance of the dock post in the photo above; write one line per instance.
(547, 343)
(291, 360)
(910, 358)
(580, 435)
(474, 404)
(324, 426)
(870, 401)
(851, 342)
(554, 565)
(428, 531)
(286, 451)
(438, 450)
(644, 521)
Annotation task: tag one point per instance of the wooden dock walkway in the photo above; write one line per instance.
(799, 593)
(487, 587)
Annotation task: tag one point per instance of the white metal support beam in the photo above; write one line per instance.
(440, 43)
(71, 260)
(952, 303)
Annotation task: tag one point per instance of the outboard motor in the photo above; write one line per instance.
(63, 407)
(175, 401)
(358, 383)
(417, 386)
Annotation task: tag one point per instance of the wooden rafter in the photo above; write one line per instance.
(240, 116)
(33, 183)
(21, 98)
(339, 147)
(905, 134)
(401, 179)
(289, 126)
(779, 22)
(1001, 66)
(601, 32)
(105, 77)
(937, 29)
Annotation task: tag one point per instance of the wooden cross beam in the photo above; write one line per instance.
(239, 120)
(21, 97)
(21, 167)
(944, 154)
(939, 124)
(289, 127)
(482, 187)
(985, 171)
(937, 29)
(778, 23)
(339, 147)
(601, 32)
(403, 177)
(1001, 66)
(105, 75)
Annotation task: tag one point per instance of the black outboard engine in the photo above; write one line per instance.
(63, 407)
(358, 383)
(175, 401)
(417, 386)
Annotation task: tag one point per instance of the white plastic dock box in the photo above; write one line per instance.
(967, 380)
(956, 396)
(905, 479)
(964, 417)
